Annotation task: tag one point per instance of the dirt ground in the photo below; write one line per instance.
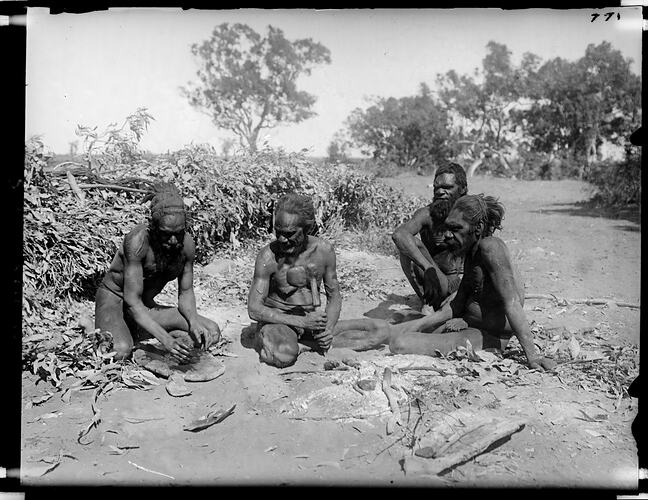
(315, 429)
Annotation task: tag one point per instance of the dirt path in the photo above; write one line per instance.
(313, 428)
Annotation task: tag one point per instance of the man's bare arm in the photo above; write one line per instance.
(332, 289)
(134, 252)
(404, 238)
(257, 310)
(497, 263)
(186, 295)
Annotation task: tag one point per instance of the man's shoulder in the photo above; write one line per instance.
(137, 240)
(423, 215)
(266, 253)
(491, 245)
(322, 245)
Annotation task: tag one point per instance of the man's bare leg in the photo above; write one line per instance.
(171, 319)
(408, 266)
(277, 345)
(361, 334)
(109, 317)
(431, 344)
(414, 275)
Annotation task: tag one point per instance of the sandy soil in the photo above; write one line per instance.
(314, 428)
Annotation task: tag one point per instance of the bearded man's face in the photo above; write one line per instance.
(289, 229)
(169, 232)
(446, 192)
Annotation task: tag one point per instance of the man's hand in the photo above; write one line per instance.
(323, 339)
(431, 287)
(455, 325)
(201, 336)
(315, 320)
(541, 363)
(179, 347)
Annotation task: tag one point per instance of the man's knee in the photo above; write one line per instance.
(275, 349)
(123, 348)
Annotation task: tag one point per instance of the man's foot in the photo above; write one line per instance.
(427, 309)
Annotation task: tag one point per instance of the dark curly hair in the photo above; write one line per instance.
(456, 170)
(300, 205)
(165, 199)
(479, 208)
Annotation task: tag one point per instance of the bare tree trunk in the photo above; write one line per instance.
(474, 166)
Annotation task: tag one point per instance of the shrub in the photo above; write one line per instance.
(68, 244)
(617, 183)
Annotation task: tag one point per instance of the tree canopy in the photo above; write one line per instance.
(410, 131)
(504, 113)
(248, 82)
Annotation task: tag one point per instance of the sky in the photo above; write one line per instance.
(99, 67)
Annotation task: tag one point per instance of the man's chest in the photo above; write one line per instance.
(161, 266)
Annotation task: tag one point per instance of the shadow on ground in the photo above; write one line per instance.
(588, 209)
(385, 310)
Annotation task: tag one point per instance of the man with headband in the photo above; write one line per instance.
(152, 255)
(432, 269)
(488, 307)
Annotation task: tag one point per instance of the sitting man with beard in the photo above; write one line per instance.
(152, 255)
(488, 307)
(432, 269)
(284, 295)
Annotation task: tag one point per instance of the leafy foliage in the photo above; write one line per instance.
(115, 145)
(577, 105)
(69, 242)
(617, 183)
(411, 132)
(247, 82)
(546, 120)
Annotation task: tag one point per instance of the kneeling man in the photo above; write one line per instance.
(152, 255)
(488, 307)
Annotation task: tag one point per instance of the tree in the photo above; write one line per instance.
(480, 110)
(247, 82)
(578, 105)
(410, 132)
(338, 148)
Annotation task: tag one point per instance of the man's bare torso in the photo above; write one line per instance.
(484, 308)
(158, 269)
(289, 276)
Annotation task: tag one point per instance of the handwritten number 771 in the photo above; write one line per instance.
(607, 16)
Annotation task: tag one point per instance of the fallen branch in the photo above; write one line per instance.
(589, 302)
(75, 187)
(578, 361)
(76, 164)
(113, 187)
(344, 417)
(293, 372)
(470, 444)
(391, 395)
(428, 368)
(149, 470)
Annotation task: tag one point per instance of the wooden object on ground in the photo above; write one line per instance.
(589, 302)
(391, 395)
(472, 442)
